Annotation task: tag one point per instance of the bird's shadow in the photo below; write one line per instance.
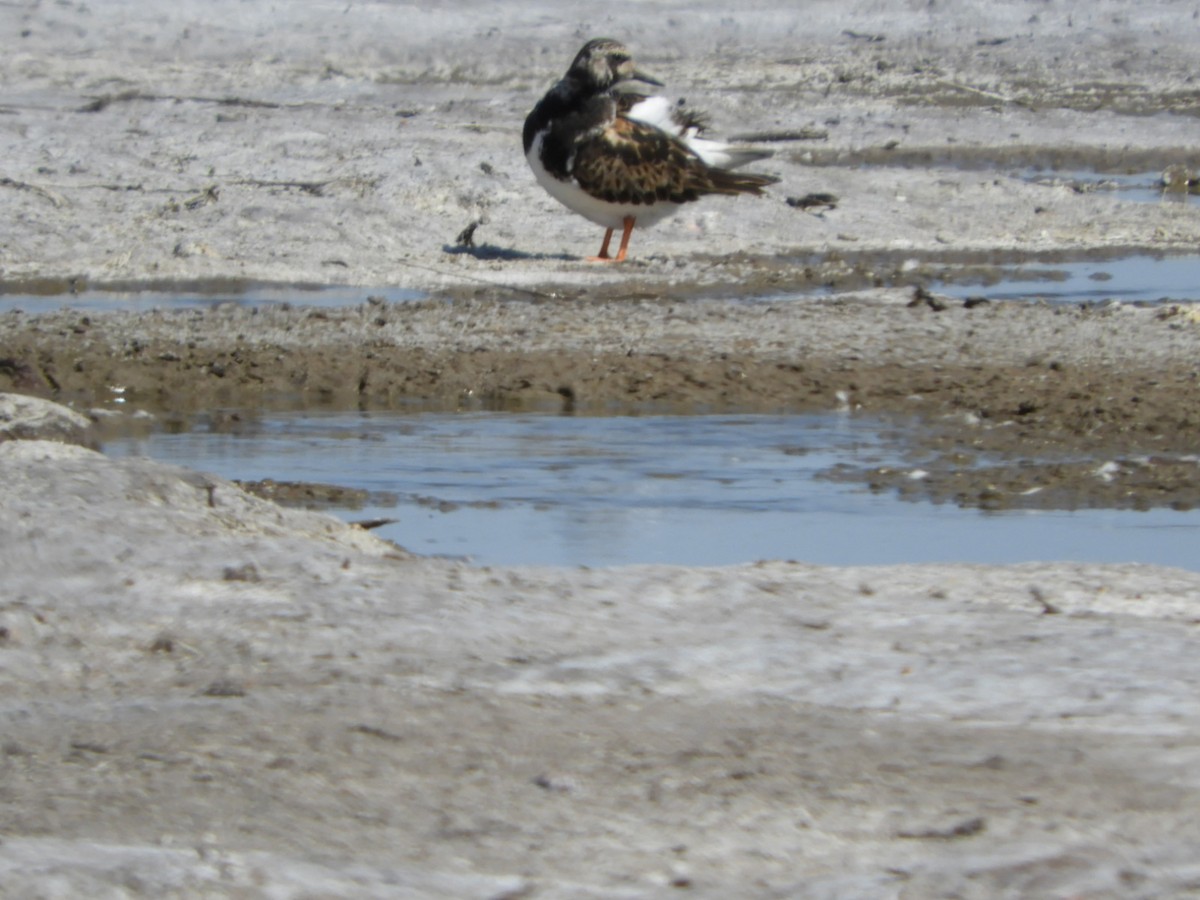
(492, 252)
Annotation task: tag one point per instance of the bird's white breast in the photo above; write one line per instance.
(571, 195)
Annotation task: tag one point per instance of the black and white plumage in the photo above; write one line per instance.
(603, 148)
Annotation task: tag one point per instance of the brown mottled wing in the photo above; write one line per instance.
(632, 162)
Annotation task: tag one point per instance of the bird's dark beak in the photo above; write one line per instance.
(634, 87)
(643, 77)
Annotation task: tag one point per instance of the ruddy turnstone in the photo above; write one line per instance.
(603, 148)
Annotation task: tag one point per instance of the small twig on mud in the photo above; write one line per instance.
(376, 732)
(235, 101)
(1048, 608)
(209, 195)
(991, 95)
(316, 188)
(922, 297)
(862, 36)
(98, 104)
(967, 828)
(466, 237)
(54, 197)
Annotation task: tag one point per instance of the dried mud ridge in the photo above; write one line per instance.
(1081, 414)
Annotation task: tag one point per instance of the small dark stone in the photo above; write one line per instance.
(813, 201)
(224, 687)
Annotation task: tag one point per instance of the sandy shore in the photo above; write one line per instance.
(178, 144)
(207, 694)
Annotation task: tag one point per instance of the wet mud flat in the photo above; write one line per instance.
(1004, 404)
(209, 693)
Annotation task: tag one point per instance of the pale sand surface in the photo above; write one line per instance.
(202, 693)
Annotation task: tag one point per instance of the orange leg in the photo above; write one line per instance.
(603, 255)
(622, 250)
(629, 220)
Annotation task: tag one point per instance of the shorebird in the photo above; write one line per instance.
(605, 149)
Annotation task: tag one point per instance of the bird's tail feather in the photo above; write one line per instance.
(740, 183)
(727, 156)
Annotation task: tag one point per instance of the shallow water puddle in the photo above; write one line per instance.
(1143, 278)
(694, 490)
(1130, 279)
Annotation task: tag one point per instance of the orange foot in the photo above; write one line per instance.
(622, 251)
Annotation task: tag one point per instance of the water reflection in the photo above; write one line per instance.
(1138, 278)
(695, 490)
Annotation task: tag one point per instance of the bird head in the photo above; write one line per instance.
(604, 62)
